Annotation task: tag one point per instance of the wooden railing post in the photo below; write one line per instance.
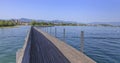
(82, 42)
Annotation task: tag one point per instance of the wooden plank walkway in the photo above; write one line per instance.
(44, 48)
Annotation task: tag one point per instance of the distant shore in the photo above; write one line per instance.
(13, 23)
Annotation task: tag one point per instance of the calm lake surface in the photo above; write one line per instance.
(102, 44)
(11, 39)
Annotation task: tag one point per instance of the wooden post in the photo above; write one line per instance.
(82, 42)
(50, 31)
(64, 34)
(55, 32)
(47, 29)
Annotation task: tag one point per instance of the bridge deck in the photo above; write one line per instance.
(43, 51)
(40, 47)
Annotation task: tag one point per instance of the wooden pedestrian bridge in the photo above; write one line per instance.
(41, 47)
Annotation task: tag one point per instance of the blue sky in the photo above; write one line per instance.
(69, 10)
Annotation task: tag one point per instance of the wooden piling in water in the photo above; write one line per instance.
(64, 34)
(50, 30)
(55, 32)
(47, 29)
(82, 42)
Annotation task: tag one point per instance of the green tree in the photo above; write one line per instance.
(6, 23)
(33, 23)
(10, 23)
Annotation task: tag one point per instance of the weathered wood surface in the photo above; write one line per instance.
(44, 48)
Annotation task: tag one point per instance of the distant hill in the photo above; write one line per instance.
(25, 20)
(111, 23)
(52, 21)
(29, 20)
(62, 21)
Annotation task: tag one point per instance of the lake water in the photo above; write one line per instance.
(11, 39)
(102, 44)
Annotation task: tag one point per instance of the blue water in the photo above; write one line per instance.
(11, 39)
(102, 44)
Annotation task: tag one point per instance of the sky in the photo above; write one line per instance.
(68, 10)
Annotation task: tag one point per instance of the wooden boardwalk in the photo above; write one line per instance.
(40, 47)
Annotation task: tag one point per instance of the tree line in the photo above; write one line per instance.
(6, 23)
(34, 23)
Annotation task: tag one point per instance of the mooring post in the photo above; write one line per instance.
(55, 32)
(82, 42)
(50, 31)
(47, 29)
(64, 34)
